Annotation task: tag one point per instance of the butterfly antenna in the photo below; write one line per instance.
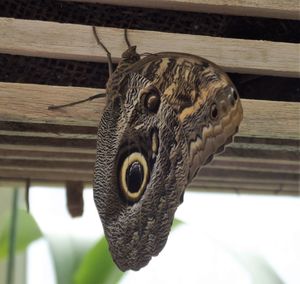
(102, 95)
(110, 69)
(126, 38)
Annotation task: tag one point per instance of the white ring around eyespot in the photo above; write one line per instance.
(133, 157)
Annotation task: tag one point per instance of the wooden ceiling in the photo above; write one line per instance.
(44, 145)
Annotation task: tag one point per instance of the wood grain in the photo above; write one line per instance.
(70, 41)
(59, 145)
(28, 103)
(286, 9)
(266, 183)
(221, 161)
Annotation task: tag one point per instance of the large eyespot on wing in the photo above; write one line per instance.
(133, 176)
(150, 98)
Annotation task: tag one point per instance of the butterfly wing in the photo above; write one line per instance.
(171, 113)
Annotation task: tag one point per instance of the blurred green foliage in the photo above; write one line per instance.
(27, 231)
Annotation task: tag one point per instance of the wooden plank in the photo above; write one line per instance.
(240, 174)
(201, 183)
(263, 151)
(41, 170)
(221, 161)
(222, 187)
(79, 146)
(46, 148)
(19, 173)
(27, 158)
(212, 172)
(70, 41)
(35, 154)
(260, 165)
(248, 187)
(286, 9)
(28, 103)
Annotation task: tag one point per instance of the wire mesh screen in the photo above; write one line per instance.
(66, 72)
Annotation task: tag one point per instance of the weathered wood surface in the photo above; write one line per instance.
(60, 145)
(265, 184)
(286, 9)
(28, 103)
(70, 41)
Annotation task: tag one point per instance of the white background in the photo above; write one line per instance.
(226, 238)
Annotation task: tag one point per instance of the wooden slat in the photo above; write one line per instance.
(263, 151)
(48, 149)
(260, 165)
(267, 183)
(245, 188)
(60, 145)
(262, 158)
(86, 170)
(286, 9)
(220, 161)
(215, 174)
(28, 103)
(57, 155)
(80, 147)
(74, 162)
(70, 41)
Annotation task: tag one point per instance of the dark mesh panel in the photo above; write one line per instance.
(66, 72)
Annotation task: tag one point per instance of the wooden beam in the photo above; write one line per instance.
(70, 41)
(260, 165)
(240, 182)
(39, 159)
(46, 148)
(34, 154)
(221, 161)
(60, 145)
(286, 9)
(28, 103)
(76, 148)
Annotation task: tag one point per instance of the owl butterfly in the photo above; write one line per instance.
(166, 115)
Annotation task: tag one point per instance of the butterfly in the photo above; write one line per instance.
(167, 114)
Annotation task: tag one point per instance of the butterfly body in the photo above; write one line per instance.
(167, 114)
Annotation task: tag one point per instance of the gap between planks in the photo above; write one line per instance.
(76, 42)
(285, 9)
(28, 103)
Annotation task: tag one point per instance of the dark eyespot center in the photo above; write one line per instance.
(235, 96)
(134, 177)
(152, 99)
(231, 99)
(214, 111)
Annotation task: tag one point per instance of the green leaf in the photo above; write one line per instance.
(27, 231)
(67, 252)
(97, 266)
(176, 223)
